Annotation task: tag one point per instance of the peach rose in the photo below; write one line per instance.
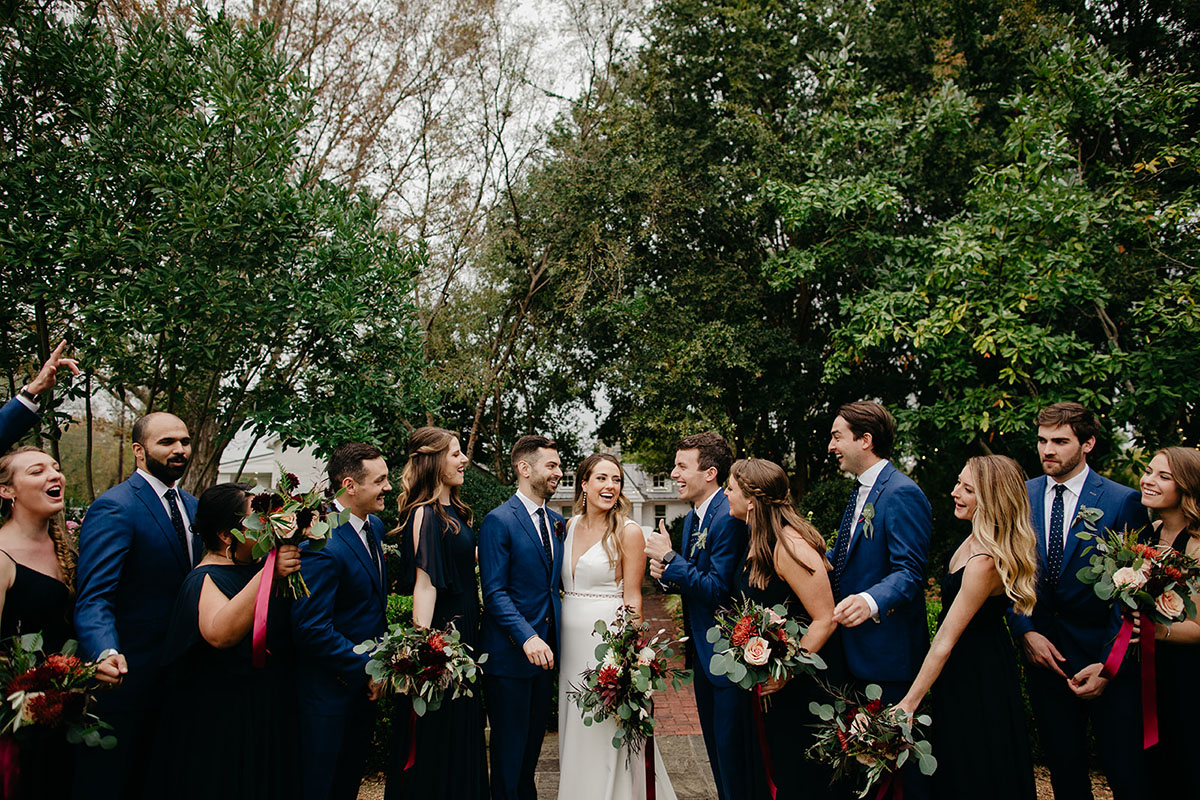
(756, 651)
(1128, 578)
(1169, 604)
(775, 618)
(645, 656)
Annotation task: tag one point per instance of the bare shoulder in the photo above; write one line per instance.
(798, 550)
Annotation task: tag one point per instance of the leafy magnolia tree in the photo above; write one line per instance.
(203, 271)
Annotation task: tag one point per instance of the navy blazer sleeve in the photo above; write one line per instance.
(16, 420)
(104, 541)
(711, 587)
(312, 619)
(495, 554)
(909, 523)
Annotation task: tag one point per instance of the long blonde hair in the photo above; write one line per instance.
(1003, 528)
(62, 549)
(767, 483)
(616, 517)
(1185, 471)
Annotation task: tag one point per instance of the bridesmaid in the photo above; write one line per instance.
(37, 577)
(978, 731)
(786, 564)
(1171, 489)
(438, 548)
(228, 728)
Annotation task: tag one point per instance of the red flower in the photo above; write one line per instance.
(1173, 573)
(437, 642)
(874, 707)
(261, 502)
(742, 631)
(55, 707)
(63, 665)
(607, 676)
(843, 739)
(35, 679)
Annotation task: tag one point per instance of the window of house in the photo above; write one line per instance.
(568, 479)
(566, 511)
(659, 481)
(660, 514)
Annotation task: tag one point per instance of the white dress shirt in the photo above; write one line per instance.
(1070, 502)
(160, 489)
(25, 401)
(531, 508)
(702, 509)
(866, 482)
(360, 527)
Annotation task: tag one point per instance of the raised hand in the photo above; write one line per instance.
(658, 543)
(48, 375)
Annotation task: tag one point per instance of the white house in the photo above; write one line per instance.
(267, 456)
(654, 496)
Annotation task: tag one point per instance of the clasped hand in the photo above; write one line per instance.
(287, 560)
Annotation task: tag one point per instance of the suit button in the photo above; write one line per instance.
(546, 620)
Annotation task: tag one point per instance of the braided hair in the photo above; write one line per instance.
(62, 548)
(767, 483)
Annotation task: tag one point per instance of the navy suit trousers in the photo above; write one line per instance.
(518, 711)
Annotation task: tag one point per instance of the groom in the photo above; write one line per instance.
(713, 544)
(520, 559)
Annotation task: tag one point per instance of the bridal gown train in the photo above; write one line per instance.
(590, 768)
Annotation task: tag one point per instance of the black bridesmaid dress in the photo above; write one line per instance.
(978, 734)
(1177, 668)
(787, 721)
(38, 603)
(450, 761)
(227, 729)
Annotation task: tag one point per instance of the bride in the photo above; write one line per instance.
(603, 562)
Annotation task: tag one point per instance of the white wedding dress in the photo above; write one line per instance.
(590, 768)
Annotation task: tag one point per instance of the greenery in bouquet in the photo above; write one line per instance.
(286, 516)
(753, 643)
(630, 667)
(1158, 581)
(865, 740)
(50, 692)
(427, 664)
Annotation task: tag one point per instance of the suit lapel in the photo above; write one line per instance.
(154, 505)
(1092, 492)
(1037, 506)
(526, 523)
(687, 530)
(355, 544)
(856, 533)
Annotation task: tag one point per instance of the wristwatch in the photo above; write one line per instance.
(668, 557)
(28, 395)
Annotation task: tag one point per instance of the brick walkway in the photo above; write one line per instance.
(674, 710)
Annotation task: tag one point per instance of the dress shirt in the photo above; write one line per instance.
(866, 482)
(702, 509)
(160, 489)
(359, 524)
(25, 401)
(531, 508)
(1070, 501)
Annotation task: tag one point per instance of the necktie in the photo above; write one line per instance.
(369, 535)
(1054, 539)
(177, 522)
(843, 539)
(545, 534)
(691, 534)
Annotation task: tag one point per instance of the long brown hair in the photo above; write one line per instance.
(767, 484)
(62, 549)
(421, 480)
(1002, 526)
(1185, 471)
(616, 517)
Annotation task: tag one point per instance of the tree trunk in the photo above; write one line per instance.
(87, 411)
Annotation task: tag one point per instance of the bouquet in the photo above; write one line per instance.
(51, 692)
(752, 644)
(869, 739)
(424, 663)
(1157, 581)
(284, 517)
(631, 667)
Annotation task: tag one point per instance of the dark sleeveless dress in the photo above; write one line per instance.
(227, 729)
(787, 721)
(450, 760)
(978, 732)
(38, 603)
(1177, 669)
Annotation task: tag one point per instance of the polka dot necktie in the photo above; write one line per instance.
(843, 540)
(1054, 541)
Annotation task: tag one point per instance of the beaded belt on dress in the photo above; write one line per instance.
(592, 595)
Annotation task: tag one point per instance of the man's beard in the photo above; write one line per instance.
(167, 473)
(541, 486)
(1061, 467)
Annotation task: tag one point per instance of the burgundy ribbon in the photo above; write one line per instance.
(648, 756)
(262, 604)
(893, 787)
(1149, 696)
(412, 740)
(10, 768)
(768, 765)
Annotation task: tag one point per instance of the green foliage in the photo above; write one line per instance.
(482, 492)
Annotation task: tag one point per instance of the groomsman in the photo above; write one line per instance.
(703, 574)
(20, 414)
(346, 606)
(1071, 631)
(879, 561)
(135, 548)
(520, 561)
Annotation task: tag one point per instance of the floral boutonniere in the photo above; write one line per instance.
(868, 520)
(698, 543)
(558, 529)
(1089, 517)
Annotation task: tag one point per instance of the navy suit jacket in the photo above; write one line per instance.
(16, 420)
(131, 565)
(889, 566)
(521, 590)
(706, 580)
(1069, 614)
(346, 606)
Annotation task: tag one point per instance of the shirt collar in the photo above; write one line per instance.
(158, 486)
(871, 474)
(1074, 486)
(355, 522)
(702, 509)
(531, 507)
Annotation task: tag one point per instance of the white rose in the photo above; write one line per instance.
(645, 656)
(1169, 604)
(1128, 578)
(756, 651)
(610, 659)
